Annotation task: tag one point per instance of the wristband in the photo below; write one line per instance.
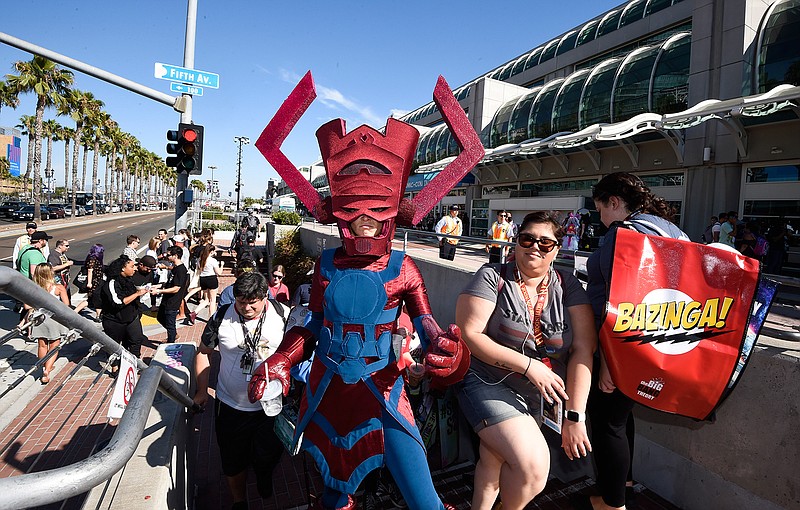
(576, 416)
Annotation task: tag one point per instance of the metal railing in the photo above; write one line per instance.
(46, 487)
(55, 485)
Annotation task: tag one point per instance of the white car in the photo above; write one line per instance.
(114, 208)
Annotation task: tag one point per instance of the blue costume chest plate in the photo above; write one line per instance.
(356, 297)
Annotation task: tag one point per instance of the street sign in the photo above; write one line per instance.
(182, 74)
(182, 88)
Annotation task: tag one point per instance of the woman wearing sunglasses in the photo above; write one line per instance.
(531, 333)
(277, 289)
(619, 197)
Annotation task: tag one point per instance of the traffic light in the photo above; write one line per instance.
(187, 147)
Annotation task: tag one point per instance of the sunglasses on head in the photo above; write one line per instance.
(545, 245)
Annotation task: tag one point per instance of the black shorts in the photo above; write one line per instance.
(247, 438)
(209, 282)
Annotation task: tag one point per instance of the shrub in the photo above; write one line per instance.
(289, 253)
(226, 225)
(285, 218)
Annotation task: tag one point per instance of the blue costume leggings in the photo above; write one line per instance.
(408, 464)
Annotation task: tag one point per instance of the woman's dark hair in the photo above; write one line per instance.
(543, 217)
(633, 191)
(250, 286)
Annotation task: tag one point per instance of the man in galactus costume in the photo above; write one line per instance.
(355, 416)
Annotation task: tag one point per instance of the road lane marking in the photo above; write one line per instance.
(100, 232)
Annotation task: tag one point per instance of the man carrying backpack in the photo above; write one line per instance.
(33, 254)
(252, 223)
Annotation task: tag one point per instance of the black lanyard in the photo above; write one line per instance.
(251, 341)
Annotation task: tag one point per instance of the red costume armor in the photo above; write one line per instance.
(355, 414)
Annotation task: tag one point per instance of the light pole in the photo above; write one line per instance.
(241, 140)
(48, 174)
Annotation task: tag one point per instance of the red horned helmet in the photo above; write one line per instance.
(367, 173)
(368, 170)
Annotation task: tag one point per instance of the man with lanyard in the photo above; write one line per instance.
(23, 241)
(450, 225)
(500, 231)
(61, 264)
(246, 333)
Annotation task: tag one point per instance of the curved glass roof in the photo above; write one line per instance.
(567, 42)
(587, 33)
(656, 5)
(549, 51)
(422, 146)
(653, 78)
(540, 122)
(567, 101)
(669, 89)
(630, 96)
(634, 11)
(519, 65)
(778, 59)
(499, 133)
(518, 123)
(533, 58)
(506, 72)
(595, 107)
(609, 23)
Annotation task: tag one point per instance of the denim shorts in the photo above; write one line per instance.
(485, 404)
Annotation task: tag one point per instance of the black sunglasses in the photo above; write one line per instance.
(545, 245)
(279, 277)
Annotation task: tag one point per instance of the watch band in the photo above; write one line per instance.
(576, 416)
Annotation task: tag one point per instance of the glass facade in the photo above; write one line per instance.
(549, 51)
(595, 107)
(567, 102)
(567, 42)
(778, 55)
(655, 6)
(544, 188)
(609, 23)
(518, 124)
(587, 33)
(632, 86)
(781, 173)
(540, 122)
(670, 86)
(533, 58)
(499, 135)
(634, 11)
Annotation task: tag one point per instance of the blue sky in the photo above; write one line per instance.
(369, 59)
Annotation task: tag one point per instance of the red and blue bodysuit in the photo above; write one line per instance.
(355, 416)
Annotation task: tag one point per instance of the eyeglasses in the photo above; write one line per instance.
(545, 245)
(278, 276)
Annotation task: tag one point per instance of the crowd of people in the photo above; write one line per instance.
(529, 331)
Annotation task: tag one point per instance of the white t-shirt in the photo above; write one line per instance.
(210, 268)
(232, 383)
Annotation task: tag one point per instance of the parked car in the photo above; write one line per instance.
(89, 209)
(56, 211)
(7, 209)
(25, 213)
(79, 211)
(115, 208)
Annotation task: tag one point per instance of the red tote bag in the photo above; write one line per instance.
(676, 321)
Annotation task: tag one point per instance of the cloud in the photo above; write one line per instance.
(334, 99)
(396, 113)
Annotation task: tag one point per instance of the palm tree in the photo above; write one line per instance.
(50, 83)
(65, 134)
(109, 150)
(49, 130)
(79, 105)
(99, 121)
(8, 96)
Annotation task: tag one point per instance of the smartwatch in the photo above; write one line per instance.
(575, 415)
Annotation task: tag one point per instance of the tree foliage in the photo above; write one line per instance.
(289, 253)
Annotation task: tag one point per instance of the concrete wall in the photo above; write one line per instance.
(745, 459)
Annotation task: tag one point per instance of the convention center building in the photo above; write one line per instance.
(698, 97)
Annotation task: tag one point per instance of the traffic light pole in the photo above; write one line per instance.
(182, 182)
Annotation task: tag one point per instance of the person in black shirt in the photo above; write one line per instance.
(173, 291)
(120, 305)
(146, 275)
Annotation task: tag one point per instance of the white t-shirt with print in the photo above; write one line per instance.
(232, 383)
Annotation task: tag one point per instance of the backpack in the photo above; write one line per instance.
(211, 331)
(251, 222)
(761, 247)
(19, 257)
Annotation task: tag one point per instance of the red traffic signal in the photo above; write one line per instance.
(187, 147)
